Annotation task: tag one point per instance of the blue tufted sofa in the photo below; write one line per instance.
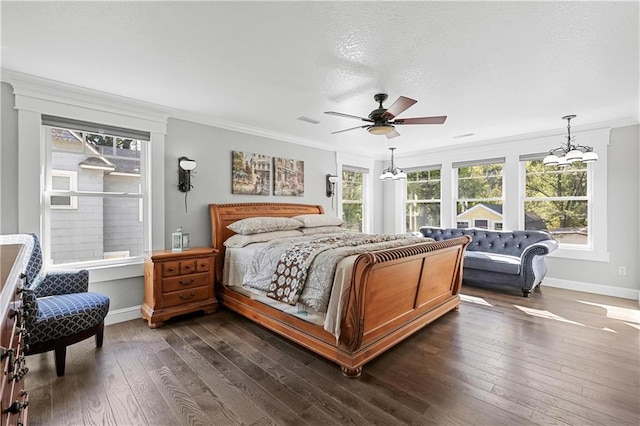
(58, 308)
(514, 258)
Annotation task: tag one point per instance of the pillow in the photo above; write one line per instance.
(313, 220)
(324, 230)
(256, 225)
(239, 240)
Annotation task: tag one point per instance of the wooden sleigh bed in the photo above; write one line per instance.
(393, 293)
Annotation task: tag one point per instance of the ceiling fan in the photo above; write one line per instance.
(383, 121)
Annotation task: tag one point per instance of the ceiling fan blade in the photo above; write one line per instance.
(392, 134)
(421, 120)
(340, 114)
(353, 128)
(398, 107)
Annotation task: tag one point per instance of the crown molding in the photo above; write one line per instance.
(36, 88)
(244, 128)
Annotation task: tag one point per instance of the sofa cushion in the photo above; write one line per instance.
(492, 262)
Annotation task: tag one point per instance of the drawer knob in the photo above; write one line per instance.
(190, 296)
(191, 281)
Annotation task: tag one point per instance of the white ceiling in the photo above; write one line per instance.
(496, 69)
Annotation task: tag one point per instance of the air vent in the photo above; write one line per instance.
(308, 120)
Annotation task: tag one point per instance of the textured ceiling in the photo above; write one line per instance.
(496, 69)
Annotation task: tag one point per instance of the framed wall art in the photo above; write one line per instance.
(251, 173)
(288, 177)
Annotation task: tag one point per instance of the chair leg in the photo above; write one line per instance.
(100, 335)
(61, 354)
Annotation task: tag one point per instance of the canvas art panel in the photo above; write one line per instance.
(251, 173)
(288, 177)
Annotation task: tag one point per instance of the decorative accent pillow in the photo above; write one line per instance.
(324, 230)
(314, 220)
(256, 225)
(239, 240)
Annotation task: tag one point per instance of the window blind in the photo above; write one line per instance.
(532, 157)
(101, 129)
(423, 168)
(481, 162)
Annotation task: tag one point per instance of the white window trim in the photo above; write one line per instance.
(344, 160)
(35, 96)
(73, 186)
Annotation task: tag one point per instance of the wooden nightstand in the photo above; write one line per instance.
(177, 283)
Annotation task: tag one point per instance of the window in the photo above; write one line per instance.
(93, 196)
(479, 193)
(423, 199)
(558, 200)
(353, 199)
(64, 180)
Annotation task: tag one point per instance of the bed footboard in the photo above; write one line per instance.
(395, 293)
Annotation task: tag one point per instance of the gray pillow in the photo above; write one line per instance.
(256, 225)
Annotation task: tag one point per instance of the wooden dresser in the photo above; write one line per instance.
(15, 399)
(177, 283)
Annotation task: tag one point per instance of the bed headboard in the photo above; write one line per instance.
(224, 214)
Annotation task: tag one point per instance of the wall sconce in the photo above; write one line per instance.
(331, 184)
(185, 166)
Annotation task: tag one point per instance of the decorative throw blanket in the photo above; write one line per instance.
(302, 269)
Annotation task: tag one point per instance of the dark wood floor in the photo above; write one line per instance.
(559, 357)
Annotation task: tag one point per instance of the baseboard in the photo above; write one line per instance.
(605, 290)
(122, 315)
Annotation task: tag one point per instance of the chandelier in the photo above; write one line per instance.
(570, 153)
(392, 172)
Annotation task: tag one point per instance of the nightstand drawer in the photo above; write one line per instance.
(187, 266)
(186, 296)
(170, 269)
(204, 265)
(184, 282)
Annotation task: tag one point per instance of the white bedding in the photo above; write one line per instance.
(237, 261)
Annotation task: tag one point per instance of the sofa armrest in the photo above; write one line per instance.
(63, 282)
(532, 261)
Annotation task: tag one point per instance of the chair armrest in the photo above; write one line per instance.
(63, 282)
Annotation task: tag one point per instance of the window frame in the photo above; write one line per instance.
(46, 207)
(455, 188)
(565, 248)
(437, 201)
(361, 202)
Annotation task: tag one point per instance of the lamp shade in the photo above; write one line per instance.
(550, 160)
(401, 175)
(589, 157)
(380, 129)
(574, 155)
(562, 161)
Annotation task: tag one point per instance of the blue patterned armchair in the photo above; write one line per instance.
(58, 308)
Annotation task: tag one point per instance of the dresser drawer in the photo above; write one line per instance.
(185, 296)
(183, 282)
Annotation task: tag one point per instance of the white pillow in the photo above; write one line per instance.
(256, 225)
(313, 220)
(239, 240)
(324, 230)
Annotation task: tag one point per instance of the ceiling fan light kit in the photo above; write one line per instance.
(383, 120)
(564, 155)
